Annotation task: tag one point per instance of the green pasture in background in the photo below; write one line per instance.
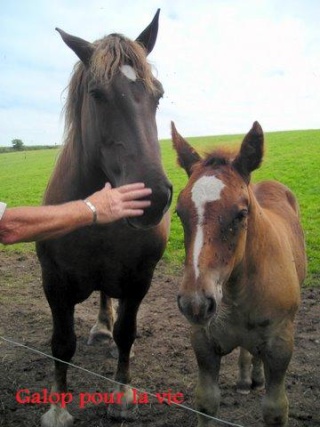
(292, 157)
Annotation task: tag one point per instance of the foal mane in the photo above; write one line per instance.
(219, 157)
(110, 53)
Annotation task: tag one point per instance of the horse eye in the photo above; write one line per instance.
(159, 96)
(242, 214)
(98, 95)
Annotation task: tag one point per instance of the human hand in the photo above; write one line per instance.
(123, 202)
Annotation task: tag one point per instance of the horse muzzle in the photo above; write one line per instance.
(197, 307)
(160, 203)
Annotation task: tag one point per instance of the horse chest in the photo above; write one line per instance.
(107, 245)
(240, 329)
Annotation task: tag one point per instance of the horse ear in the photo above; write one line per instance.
(251, 152)
(148, 36)
(187, 155)
(81, 48)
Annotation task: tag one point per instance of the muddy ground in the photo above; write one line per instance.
(163, 357)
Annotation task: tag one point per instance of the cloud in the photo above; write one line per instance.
(222, 65)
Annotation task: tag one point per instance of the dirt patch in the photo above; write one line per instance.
(164, 359)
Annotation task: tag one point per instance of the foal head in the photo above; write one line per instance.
(110, 118)
(214, 209)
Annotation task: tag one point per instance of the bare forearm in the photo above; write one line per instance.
(25, 224)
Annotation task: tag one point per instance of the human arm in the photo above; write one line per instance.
(25, 224)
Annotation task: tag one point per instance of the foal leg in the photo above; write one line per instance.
(245, 367)
(207, 395)
(275, 404)
(63, 346)
(102, 329)
(257, 374)
(251, 374)
(124, 334)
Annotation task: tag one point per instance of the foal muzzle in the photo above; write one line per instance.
(197, 307)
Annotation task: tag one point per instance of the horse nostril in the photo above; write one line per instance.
(211, 308)
(169, 199)
(179, 302)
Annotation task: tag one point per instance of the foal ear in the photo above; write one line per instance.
(81, 48)
(251, 152)
(148, 36)
(187, 155)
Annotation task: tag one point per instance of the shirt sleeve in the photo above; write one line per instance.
(2, 209)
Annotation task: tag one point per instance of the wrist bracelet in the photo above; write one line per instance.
(93, 210)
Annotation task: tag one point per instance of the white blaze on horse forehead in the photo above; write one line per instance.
(206, 189)
(129, 72)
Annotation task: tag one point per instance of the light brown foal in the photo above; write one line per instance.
(245, 262)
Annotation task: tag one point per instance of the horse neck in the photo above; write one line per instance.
(243, 279)
(258, 233)
(71, 178)
(257, 221)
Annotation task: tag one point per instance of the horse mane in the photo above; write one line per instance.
(116, 50)
(111, 52)
(109, 55)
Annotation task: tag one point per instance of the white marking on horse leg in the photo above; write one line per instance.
(129, 72)
(56, 417)
(99, 333)
(206, 189)
(125, 408)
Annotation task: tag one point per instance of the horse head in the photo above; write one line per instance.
(110, 116)
(214, 209)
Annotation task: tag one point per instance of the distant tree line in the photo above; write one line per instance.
(18, 145)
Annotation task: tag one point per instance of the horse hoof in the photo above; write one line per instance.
(99, 334)
(243, 387)
(118, 412)
(125, 409)
(258, 385)
(57, 417)
(243, 390)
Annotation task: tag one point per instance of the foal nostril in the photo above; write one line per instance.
(211, 307)
(179, 302)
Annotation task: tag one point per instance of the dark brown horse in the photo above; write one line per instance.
(111, 135)
(245, 262)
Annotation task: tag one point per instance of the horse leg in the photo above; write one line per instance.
(276, 359)
(124, 334)
(257, 374)
(251, 374)
(245, 366)
(102, 329)
(207, 395)
(63, 346)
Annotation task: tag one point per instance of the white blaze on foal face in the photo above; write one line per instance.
(206, 189)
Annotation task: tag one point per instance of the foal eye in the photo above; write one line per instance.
(242, 214)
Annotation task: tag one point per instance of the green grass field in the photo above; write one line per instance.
(291, 157)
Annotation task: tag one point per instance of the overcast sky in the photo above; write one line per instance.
(223, 63)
